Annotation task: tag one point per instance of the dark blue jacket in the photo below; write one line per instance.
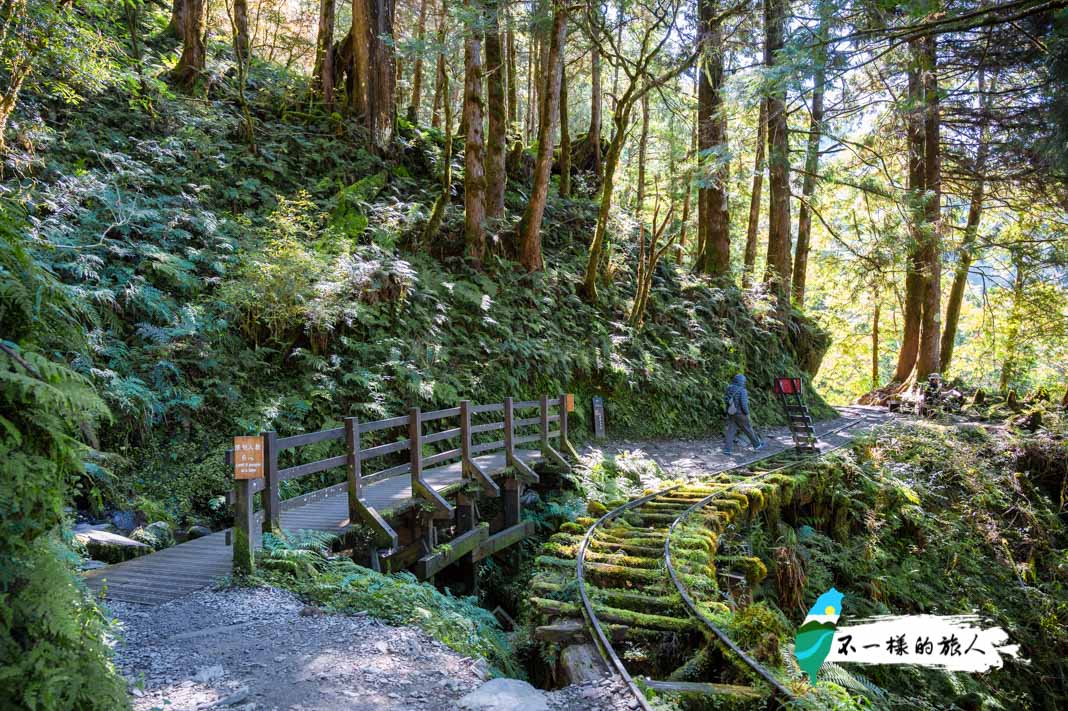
(736, 392)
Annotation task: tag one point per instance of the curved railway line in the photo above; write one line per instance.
(640, 566)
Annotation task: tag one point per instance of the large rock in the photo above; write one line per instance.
(504, 695)
(158, 535)
(110, 547)
(197, 532)
(581, 663)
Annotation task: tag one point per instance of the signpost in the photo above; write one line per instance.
(598, 417)
(248, 458)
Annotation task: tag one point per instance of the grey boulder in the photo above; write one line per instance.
(504, 695)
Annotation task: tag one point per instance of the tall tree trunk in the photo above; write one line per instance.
(751, 232)
(513, 80)
(474, 171)
(779, 266)
(324, 53)
(241, 40)
(375, 67)
(971, 231)
(713, 219)
(417, 71)
(688, 188)
(441, 91)
(530, 228)
(497, 142)
(812, 156)
(928, 358)
(875, 343)
(565, 136)
(176, 26)
(442, 201)
(194, 55)
(620, 122)
(1012, 336)
(643, 149)
(593, 136)
(913, 309)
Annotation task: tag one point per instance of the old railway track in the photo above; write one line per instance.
(646, 574)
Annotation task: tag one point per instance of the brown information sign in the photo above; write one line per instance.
(248, 457)
(569, 399)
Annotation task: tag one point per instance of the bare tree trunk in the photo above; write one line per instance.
(324, 52)
(565, 136)
(530, 228)
(497, 144)
(474, 171)
(375, 69)
(194, 55)
(513, 80)
(417, 71)
(812, 157)
(751, 233)
(620, 121)
(713, 219)
(594, 133)
(928, 358)
(779, 266)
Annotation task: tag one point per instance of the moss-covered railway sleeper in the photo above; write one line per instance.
(640, 564)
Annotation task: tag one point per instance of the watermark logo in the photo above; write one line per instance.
(955, 642)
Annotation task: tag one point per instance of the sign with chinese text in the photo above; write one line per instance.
(248, 457)
(598, 417)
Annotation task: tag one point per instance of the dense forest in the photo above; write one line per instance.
(227, 218)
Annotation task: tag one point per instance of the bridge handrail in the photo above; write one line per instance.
(354, 457)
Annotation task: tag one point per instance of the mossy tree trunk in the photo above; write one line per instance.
(440, 95)
(375, 69)
(929, 357)
(594, 133)
(565, 137)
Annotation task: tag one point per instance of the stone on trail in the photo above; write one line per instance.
(504, 695)
(581, 663)
(110, 547)
(197, 532)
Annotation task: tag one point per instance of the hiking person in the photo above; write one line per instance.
(737, 399)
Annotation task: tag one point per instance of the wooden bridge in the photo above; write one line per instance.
(411, 502)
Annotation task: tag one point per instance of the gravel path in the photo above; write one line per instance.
(686, 458)
(264, 649)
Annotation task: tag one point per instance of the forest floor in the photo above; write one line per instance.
(262, 648)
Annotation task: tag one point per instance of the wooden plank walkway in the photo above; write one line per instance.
(173, 572)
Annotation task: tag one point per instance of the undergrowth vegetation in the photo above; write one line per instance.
(923, 518)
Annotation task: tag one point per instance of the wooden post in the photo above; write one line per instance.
(272, 507)
(465, 438)
(509, 430)
(415, 446)
(513, 489)
(465, 521)
(565, 441)
(352, 444)
(244, 527)
(545, 426)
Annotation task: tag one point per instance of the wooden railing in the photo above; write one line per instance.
(460, 440)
